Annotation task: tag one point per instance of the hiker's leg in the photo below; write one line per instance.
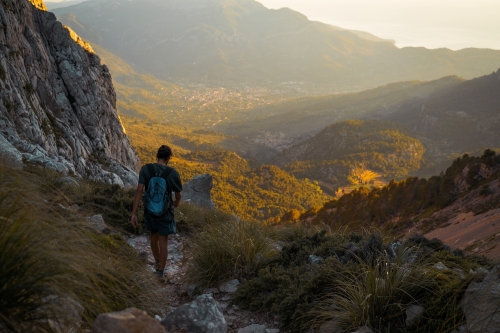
(163, 244)
(155, 246)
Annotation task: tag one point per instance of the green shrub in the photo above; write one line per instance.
(363, 279)
(228, 249)
(113, 202)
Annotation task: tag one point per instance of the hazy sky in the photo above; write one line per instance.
(454, 24)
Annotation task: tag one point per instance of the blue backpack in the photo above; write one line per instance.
(158, 197)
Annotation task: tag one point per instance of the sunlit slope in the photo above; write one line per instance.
(263, 193)
(354, 152)
(241, 41)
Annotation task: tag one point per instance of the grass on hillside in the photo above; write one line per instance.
(356, 279)
(49, 253)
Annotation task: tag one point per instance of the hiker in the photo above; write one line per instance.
(158, 181)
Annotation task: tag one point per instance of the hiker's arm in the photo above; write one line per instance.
(137, 200)
(178, 197)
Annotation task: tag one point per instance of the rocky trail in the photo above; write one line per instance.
(178, 295)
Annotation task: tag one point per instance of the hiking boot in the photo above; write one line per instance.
(157, 264)
(160, 275)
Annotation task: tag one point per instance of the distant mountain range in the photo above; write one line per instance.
(65, 3)
(240, 42)
(450, 115)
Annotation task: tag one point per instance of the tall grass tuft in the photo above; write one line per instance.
(49, 253)
(228, 249)
(377, 295)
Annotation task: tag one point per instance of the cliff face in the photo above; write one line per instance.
(57, 102)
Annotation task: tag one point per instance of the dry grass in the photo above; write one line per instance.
(227, 249)
(49, 253)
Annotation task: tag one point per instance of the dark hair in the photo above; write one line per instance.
(164, 153)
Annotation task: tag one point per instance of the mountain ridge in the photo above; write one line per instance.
(243, 43)
(58, 104)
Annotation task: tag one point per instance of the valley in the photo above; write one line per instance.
(353, 181)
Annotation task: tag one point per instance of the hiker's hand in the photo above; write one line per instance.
(176, 203)
(133, 221)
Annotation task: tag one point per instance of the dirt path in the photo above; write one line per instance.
(177, 291)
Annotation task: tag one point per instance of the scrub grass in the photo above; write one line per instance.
(49, 253)
(226, 249)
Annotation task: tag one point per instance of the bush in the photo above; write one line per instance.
(227, 249)
(361, 279)
(48, 252)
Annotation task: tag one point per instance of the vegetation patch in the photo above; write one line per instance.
(49, 253)
(342, 281)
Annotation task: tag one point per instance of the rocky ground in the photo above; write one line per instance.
(176, 291)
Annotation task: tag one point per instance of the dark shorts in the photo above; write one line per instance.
(159, 226)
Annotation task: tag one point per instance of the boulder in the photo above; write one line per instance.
(481, 304)
(67, 180)
(440, 266)
(70, 319)
(315, 260)
(197, 191)
(97, 222)
(127, 321)
(203, 315)
(9, 155)
(229, 286)
(254, 328)
(413, 314)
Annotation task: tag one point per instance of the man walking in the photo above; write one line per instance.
(161, 224)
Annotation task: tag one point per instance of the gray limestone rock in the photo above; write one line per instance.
(197, 191)
(440, 266)
(481, 304)
(97, 222)
(69, 181)
(229, 286)
(254, 328)
(57, 102)
(127, 321)
(203, 315)
(71, 320)
(315, 260)
(9, 155)
(413, 314)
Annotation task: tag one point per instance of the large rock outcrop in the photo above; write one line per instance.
(482, 304)
(197, 191)
(57, 101)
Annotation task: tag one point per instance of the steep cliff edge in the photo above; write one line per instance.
(57, 102)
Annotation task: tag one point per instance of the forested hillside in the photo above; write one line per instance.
(250, 190)
(401, 205)
(354, 152)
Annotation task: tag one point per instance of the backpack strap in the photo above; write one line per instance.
(165, 175)
(153, 171)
